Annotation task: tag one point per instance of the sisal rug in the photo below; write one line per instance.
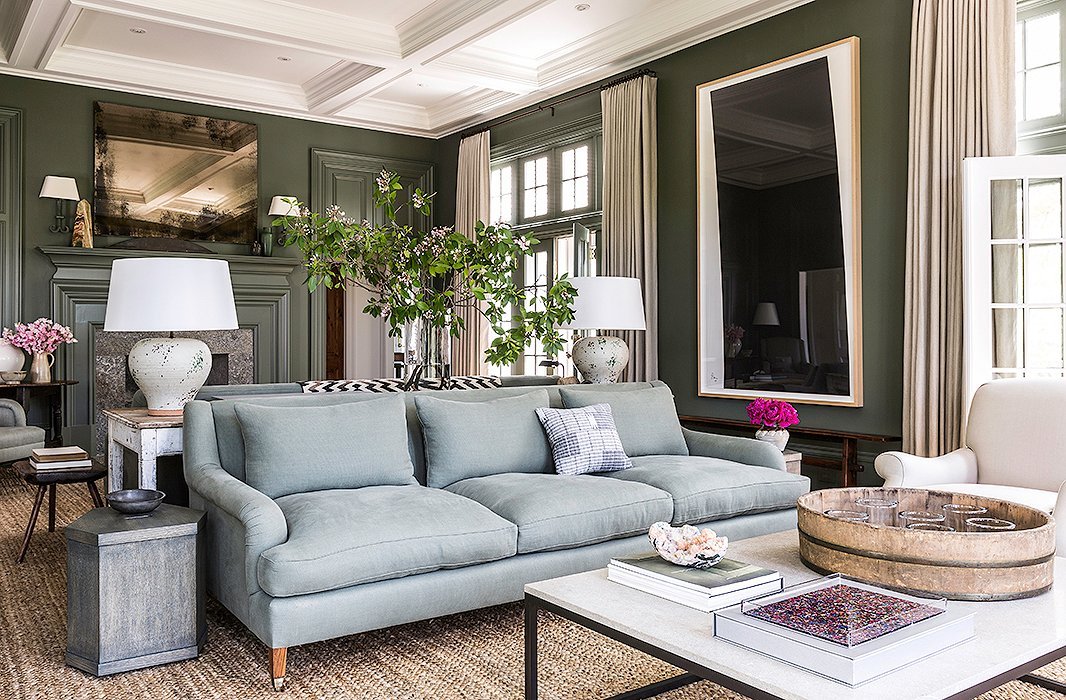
(471, 656)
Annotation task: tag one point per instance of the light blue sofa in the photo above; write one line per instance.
(321, 552)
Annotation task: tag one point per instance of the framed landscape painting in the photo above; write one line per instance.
(168, 175)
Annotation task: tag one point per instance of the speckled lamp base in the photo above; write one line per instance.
(169, 371)
(600, 358)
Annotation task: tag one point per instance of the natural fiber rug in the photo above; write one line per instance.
(475, 656)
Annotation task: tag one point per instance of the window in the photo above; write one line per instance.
(535, 187)
(501, 186)
(1039, 76)
(575, 178)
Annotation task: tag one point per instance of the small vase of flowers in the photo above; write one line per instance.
(774, 418)
(734, 340)
(40, 338)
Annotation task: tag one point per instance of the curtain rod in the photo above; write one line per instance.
(552, 105)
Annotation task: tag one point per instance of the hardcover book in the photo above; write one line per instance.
(724, 577)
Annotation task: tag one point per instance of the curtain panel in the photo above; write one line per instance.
(630, 207)
(471, 206)
(961, 105)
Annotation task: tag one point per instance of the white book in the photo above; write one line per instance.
(703, 603)
(851, 665)
(61, 466)
(726, 576)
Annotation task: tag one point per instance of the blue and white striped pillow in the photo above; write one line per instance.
(583, 440)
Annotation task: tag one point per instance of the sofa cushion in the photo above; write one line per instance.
(646, 418)
(554, 511)
(17, 442)
(346, 537)
(466, 439)
(583, 440)
(705, 488)
(293, 449)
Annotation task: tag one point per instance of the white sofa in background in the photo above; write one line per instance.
(1015, 449)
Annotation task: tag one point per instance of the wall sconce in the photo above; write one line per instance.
(59, 189)
(280, 205)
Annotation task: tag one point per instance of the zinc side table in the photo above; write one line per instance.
(135, 589)
(148, 436)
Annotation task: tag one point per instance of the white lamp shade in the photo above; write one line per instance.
(170, 294)
(766, 314)
(55, 187)
(283, 205)
(607, 303)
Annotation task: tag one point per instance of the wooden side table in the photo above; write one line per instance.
(793, 461)
(46, 481)
(135, 589)
(148, 436)
(25, 392)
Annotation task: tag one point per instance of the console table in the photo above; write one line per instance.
(148, 436)
(848, 464)
(25, 392)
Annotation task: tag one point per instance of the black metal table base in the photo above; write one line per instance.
(695, 672)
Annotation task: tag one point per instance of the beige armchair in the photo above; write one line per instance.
(1015, 449)
(17, 440)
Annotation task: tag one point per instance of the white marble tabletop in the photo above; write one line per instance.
(1009, 633)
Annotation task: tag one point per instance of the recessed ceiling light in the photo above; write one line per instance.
(138, 30)
(582, 7)
(284, 59)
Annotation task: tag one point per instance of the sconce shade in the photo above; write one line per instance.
(766, 314)
(55, 187)
(607, 303)
(283, 204)
(170, 294)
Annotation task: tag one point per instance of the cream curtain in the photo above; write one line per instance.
(961, 104)
(630, 208)
(471, 206)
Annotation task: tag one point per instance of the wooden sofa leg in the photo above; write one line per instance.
(277, 667)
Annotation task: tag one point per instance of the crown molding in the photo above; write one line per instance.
(326, 91)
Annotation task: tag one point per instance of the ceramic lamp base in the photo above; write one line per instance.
(600, 358)
(169, 371)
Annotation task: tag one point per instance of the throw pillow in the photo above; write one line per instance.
(295, 449)
(466, 439)
(470, 382)
(583, 440)
(646, 418)
(331, 386)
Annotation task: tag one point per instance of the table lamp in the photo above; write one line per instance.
(604, 303)
(765, 314)
(170, 295)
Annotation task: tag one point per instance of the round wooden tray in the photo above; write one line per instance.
(957, 565)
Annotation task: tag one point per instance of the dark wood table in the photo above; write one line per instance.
(848, 464)
(46, 481)
(25, 392)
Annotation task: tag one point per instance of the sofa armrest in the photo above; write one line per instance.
(900, 469)
(735, 449)
(11, 414)
(263, 522)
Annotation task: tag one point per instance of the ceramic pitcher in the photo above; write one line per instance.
(41, 368)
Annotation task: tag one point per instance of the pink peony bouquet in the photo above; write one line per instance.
(43, 335)
(772, 413)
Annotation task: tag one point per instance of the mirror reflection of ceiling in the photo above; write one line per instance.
(776, 129)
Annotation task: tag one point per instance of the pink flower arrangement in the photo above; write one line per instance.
(734, 333)
(772, 414)
(43, 335)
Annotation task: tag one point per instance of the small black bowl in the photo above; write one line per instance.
(135, 501)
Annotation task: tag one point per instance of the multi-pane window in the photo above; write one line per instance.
(535, 187)
(574, 175)
(501, 189)
(1038, 67)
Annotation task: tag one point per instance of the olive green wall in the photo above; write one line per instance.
(884, 32)
(57, 139)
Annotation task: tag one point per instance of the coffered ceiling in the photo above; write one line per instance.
(422, 67)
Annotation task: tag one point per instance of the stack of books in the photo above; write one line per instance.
(726, 583)
(50, 459)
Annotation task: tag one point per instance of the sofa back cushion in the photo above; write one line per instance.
(313, 448)
(646, 418)
(465, 439)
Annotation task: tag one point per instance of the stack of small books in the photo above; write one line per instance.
(726, 583)
(51, 459)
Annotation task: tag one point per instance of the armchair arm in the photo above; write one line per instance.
(1060, 528)
(900, 469)
(11, 414)
(735, 449)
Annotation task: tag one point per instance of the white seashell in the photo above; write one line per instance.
(687, 545)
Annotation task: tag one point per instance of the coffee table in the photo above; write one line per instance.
(1013, 638)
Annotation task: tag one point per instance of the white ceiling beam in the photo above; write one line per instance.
(44, 20)
(13, 15)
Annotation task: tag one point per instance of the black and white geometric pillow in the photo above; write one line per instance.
(332, 386)
(583, 440)
(470, 382)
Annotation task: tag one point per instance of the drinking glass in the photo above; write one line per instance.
(930, 527)
(850, 515)
(989, 524)
(957, 514)
(909, 517)
(882, 511)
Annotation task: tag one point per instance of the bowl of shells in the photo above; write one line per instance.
(688, 545)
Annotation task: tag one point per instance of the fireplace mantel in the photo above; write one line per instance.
(262, 289)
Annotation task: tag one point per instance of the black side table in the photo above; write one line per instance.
(47, 481)
(135, 589)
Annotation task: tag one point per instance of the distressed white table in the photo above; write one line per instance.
(147, 436)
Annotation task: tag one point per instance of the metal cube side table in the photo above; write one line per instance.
(135, 589)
